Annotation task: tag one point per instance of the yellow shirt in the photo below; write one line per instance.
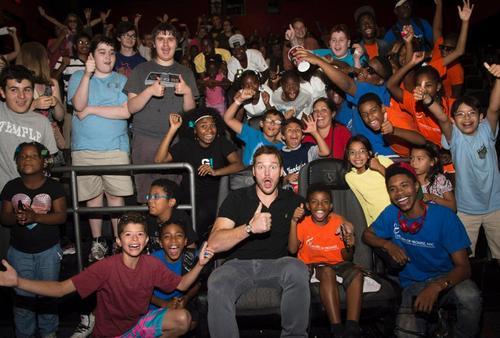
(199, 60)
(370, 190)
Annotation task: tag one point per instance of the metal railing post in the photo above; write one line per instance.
(76, 210)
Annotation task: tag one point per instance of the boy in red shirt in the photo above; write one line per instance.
(319, 243)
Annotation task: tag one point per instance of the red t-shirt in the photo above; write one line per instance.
(318, 243)
(123, 294)
(426, 122)
(337, 139)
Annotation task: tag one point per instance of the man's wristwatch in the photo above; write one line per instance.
(248, 229)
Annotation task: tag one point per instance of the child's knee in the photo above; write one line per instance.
(178, 320)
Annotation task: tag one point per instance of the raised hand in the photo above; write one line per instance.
(265, 97)
(87, 12)
(104, 15)
(137, 18)
(289, 113)
(310, 122)
(175, 120)
(407, 33)
(243, 95)
(90, 65)
(358, 51)
(299, 213)
(387, 128)
(41, 11)
(261, 221)
(417, 58)
(206, 254)
(9, 276)
(466, 11)
(290, 33)
(493, 69)
(182, 88)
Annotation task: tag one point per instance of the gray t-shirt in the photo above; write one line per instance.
(18, 128)
(152, 120)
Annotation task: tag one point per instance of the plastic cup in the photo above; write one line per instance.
(302, 66)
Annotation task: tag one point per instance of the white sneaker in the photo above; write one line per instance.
(85, 327)
(98, 251)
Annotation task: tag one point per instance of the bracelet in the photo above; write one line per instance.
(429, 103)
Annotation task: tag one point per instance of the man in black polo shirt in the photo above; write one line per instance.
(253, 226)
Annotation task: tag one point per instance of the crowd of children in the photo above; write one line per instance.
(212, 100)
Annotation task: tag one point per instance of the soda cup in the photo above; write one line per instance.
(302, 66)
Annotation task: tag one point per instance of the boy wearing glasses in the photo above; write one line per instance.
(128, 57)
(162, 202)
(253, 139)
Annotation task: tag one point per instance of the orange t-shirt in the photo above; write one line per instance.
(454, 76)
(425, 121)
(318, 243)
(402, 120)
(371, 50)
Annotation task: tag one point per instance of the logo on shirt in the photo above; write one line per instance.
(208, 161)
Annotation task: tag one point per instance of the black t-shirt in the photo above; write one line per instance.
(240, 207)
(188, 150)
(178, 216)
(36, 237)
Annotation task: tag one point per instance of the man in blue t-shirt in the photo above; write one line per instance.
(127, 57)
(430, 244)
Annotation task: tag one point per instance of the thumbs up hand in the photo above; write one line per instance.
(387, 128)
(261, 221)
(298, 214)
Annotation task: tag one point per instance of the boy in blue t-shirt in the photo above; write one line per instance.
(296, 154)
(179, 260)
(254, 139)
(429, 243)
(471, 140)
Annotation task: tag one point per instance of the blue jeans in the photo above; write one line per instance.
(228, 282)
(465, 296)
(44, 265)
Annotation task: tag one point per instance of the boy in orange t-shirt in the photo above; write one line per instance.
(320, 245)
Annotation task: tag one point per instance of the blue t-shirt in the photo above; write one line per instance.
(294, 159)
(95, 132)
(363, 88)
(175, 267)
(349, 116)
(477, 176)
(348, 58)
(429, 249)
(253, 140)
(424, 33)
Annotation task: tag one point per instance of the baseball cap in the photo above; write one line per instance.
(399, 3)
(236, 40)
(363, 10)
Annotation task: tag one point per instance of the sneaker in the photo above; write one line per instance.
(69, 249)
(85, 327)
(98, 250)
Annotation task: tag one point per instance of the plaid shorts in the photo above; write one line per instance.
(148, 326)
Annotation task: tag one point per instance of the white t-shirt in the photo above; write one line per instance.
(259, 109)
(255, 61)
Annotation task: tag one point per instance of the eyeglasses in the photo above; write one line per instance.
(85, 42)
(130, 36)
(272, 122)
(155, 197)
(357, 152)
(463, 114)
(445, 48)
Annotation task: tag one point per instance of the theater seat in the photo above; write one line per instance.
(331, 172)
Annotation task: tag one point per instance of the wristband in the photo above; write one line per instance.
(429, 103)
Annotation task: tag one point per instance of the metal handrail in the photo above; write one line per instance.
(76, 209)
